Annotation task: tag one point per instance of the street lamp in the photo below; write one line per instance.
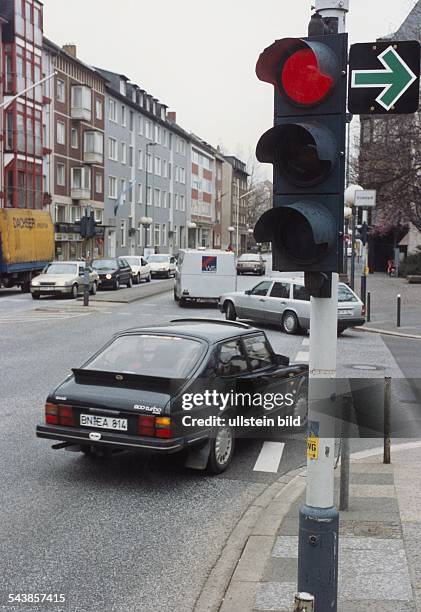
(149, 144)
(347, 218)
(146, 222)
(350, 202)
(231, 230)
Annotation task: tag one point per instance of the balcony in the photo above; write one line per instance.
(93, 148)
(81, 103)
(81, 183)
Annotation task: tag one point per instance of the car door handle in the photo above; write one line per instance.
(262, 300)
(283, 303)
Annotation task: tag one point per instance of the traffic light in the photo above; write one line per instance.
(87, 226)
(306, 147)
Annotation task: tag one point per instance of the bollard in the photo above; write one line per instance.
(303, 602)
(368, 307)
(398, 311)
(386, 420)
(344, 479)
(363, 289)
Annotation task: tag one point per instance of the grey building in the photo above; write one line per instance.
(146, 172)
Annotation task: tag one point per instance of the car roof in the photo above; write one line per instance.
(204, 329)
(68, 261)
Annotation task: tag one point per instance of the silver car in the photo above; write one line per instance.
(63, 278)
(286, 301)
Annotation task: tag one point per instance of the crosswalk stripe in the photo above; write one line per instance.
(269, 457)
(306, 342)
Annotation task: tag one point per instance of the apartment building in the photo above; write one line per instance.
(146, 161)
(75, 127)
(217, 230)
(202, 212)
(234, 204)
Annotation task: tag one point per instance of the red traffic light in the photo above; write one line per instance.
(305, 72)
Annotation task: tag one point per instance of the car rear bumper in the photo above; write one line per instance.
(160, 273)
(113, 439)
(250, 270)
(351, 322)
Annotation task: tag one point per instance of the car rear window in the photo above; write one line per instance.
(345, 294)
(250, 258)
(280, 290)
(301, 293)
(149, 355)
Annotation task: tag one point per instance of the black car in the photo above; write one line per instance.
(190, 385)
(113, 272)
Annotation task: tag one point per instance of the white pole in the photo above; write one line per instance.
(334, 8)
(9, 101)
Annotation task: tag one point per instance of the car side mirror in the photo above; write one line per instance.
(248, 292)
(282, 360)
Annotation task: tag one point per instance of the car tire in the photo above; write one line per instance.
(149, 278)
(230, 312)
(93, 288)
(290, 323)
(36, 296)
(116, 284)
(138, 279)
(129, 283)
(221, 450)
(341, 330)
(74, 292)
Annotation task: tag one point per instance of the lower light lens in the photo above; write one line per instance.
(163, 427)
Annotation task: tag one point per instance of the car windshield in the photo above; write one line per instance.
(135, 261)
(104, 264)
(158, 258)
(250, 257)
(345, 294)
(148, 355)
(61, 268)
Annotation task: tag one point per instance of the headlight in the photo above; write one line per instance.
(35, 283)
(108, 276)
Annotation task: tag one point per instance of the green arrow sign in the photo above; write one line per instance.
(395, 79)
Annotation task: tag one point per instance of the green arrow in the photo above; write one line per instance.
(395, 79)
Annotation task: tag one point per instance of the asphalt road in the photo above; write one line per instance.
(132, 532)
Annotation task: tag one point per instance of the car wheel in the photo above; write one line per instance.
(222, 449)
(36, 296)
(129, 283)
(230, 312)
(341, 330)
(93, 289)
(289, 322)
(138, 279)
(75, 292)
(116, 284)
(148, 278)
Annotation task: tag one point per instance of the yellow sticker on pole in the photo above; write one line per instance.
(312, 447)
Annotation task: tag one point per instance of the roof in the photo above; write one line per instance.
(209, 330)
(410, 27)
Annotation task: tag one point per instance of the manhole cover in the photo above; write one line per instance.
(365, 366)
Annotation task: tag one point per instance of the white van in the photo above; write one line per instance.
(203, 275)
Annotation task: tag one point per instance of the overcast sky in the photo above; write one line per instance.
(199, 57)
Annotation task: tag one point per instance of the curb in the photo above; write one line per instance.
(127, 296)
(386, 332)
(233, 580)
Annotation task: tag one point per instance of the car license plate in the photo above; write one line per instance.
(346, 313)
(103, 422)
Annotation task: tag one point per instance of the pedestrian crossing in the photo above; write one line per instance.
(32, 316)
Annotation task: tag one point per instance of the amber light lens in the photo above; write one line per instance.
(51, 414)
(163, 427)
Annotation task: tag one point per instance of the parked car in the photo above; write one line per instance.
(251, 263)
(63, 278)
(162, 265)
(131, 395)
(202, 275)
(141, 270)
(113, 272)
(286, 301)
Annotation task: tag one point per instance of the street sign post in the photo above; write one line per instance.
(365, 198)
(384, 77)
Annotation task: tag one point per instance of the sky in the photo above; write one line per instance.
(199, 57)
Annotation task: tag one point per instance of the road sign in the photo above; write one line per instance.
(365, 198)
(384, 77)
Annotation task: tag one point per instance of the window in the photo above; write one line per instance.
(258, 352)
(261, 288)
(156, 197)
(93, 143)
(60, 214)
(112, 149)
(131, 121)
(112, 187)
(123, 87)
(81, 178)
(74, 138)
(157, 234)
(139, 235)
(182, 203)
(98, 215)
(81, 99)
(131, 157)
(181, 146)
(123, 188)
(164, 168)
(123, 233)
(231, 359)
(280, 290)
(158, 134)
(98, 182)
(123, 115)
(175, 201)
(163, 199)
(140, 193)
(140, 159)
(61, 92)
(123, 153)
(112, 109)
(140, 124)
(98, 109)
(158, 166)
(301, 293)
(149, 196)
(148, 130)
(61, 133)
(149, 162)
(61, 174)
(182, 176)
(75, 214)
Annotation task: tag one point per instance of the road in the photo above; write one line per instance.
(129, 533)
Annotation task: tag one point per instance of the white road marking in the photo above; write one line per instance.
(269, 457)
(302, 356)
(306, 342)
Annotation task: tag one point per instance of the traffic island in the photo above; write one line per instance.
(135, 293)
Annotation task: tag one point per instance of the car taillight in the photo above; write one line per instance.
(51, 414)
(65, 415)
(163, 427)
(146, 425)
(363, 310)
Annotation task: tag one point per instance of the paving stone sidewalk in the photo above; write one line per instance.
(379, 550)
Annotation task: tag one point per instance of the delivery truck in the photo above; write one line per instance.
(26, 245)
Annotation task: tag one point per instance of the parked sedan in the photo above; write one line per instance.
(140, 392)
(162, 265)
(113, 272)
(63, 278)
(141, 270)
(251, 263)
(286, 301)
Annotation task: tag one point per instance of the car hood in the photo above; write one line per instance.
(105, 270)
(55, 278)
(156, 265)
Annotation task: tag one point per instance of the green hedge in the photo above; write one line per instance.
(412, 264)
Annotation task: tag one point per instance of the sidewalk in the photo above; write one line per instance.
(379, 549)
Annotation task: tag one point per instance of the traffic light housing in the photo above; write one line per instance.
(306, 146)
(87, 226)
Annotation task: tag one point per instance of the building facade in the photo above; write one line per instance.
(22, 35)
(75, 126)
(202, 217)
(234, 204)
